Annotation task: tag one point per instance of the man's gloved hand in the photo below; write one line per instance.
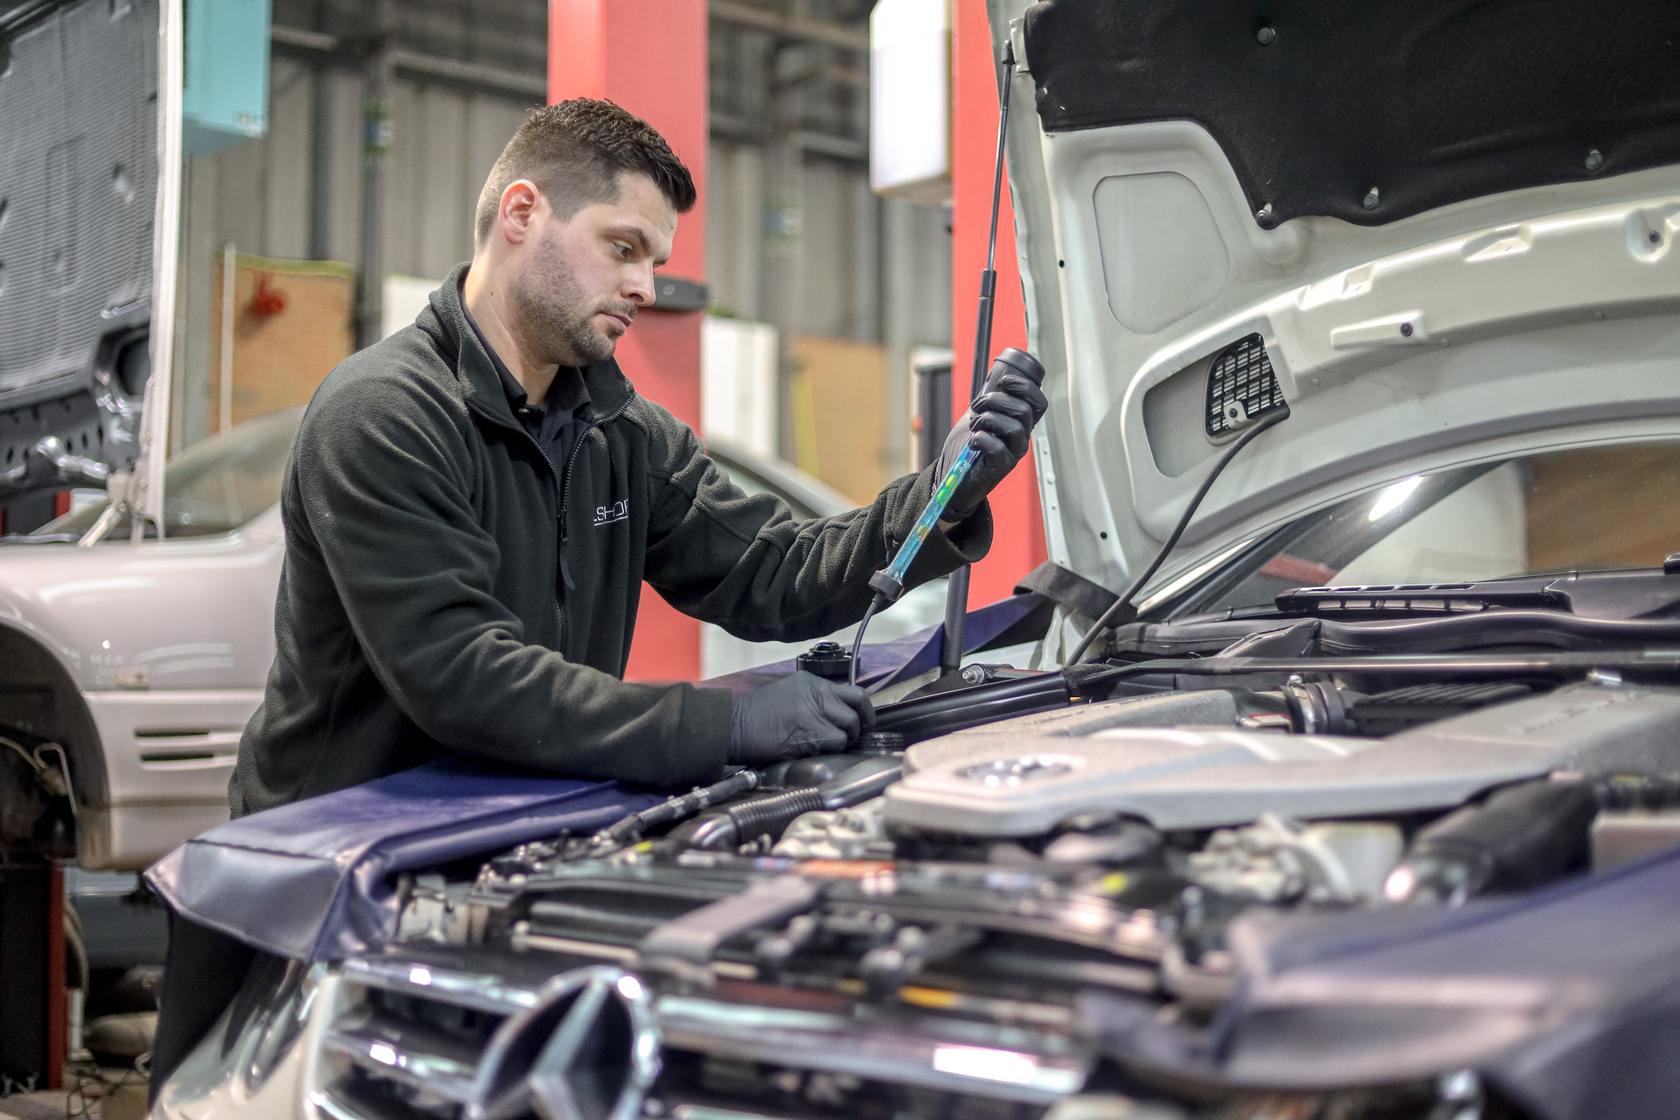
(1000, 423)
(796, 716)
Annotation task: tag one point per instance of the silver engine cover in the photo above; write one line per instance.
(1021, 777)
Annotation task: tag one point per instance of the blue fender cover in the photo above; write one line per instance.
(315, 880)
(1567, 999)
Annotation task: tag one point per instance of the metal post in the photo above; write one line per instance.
(376, 145)
(320, 162)
(784, 217)
(224, 391)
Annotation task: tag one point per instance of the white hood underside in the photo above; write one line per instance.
(1510, 324)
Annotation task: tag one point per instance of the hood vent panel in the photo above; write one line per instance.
(1241, 388)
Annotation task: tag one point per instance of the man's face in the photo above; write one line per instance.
(582, 281)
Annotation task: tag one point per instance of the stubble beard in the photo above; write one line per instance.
(556, 320)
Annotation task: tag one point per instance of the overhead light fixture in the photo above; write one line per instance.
(910, 100)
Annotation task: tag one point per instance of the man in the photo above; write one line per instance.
(471, 508)
(473, 504)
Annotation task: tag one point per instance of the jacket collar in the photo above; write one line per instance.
(445, 319)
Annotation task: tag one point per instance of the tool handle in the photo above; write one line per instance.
(890, 580)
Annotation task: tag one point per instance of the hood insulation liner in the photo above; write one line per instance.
(1371, 113)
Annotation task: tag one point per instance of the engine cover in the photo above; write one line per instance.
(1022, 777)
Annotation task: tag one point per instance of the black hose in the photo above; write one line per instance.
(1123, 603)
(749, 820)
(739, 824)
(1522, 836)
(673, 811)
(857, 643)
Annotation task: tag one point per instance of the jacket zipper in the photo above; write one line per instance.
(566, 482)
(564, 486)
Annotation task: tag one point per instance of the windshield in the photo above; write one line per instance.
(1598, 507)
(215, 486)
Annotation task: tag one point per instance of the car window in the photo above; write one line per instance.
(216, 485)
(1597, 507)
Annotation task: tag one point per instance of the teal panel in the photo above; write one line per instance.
(225, 98)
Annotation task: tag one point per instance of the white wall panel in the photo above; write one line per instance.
(734, 227)
(285, 190)
(344, 164)
(490, 124)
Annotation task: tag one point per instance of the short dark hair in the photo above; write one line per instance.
(575, 152)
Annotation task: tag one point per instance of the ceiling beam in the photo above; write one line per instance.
(529, 88)
(782, 27)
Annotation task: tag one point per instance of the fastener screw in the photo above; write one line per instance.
(1595, 160)
(1371, 199)
(1266, 36)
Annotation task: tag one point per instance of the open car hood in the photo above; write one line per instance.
(1443, 232)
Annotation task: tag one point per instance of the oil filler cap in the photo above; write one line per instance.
(829, 660)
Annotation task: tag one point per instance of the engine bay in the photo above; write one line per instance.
(952, 918)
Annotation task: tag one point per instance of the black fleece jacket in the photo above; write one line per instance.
(442, 592)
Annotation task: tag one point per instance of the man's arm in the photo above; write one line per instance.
(385, 490)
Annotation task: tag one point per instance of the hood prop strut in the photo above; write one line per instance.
(956, 586)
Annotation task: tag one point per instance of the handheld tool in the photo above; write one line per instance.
(888, 583)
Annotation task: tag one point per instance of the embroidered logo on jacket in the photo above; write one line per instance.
(618, 511)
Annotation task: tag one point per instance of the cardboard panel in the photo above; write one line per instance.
(840, 409)
(1603, 506)
(291, 326)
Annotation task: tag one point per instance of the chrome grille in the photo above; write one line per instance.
(412, 1042)
(1241, 387)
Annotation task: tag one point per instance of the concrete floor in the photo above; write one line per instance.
(101, 1094)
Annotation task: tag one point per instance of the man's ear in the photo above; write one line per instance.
(521, 203)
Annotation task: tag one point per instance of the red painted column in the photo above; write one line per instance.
(650, 57)
(1018, 539)
(58, 1010)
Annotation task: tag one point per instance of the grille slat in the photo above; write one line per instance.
(462, 989)
(404, 1051)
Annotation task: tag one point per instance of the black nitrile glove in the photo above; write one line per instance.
(1000, 423)
(796, 716)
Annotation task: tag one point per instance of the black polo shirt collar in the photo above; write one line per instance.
(553, 423)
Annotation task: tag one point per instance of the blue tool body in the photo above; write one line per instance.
(889, 581)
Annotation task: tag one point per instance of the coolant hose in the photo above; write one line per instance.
(731, 827)
(632, 828)
(1520, 837)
